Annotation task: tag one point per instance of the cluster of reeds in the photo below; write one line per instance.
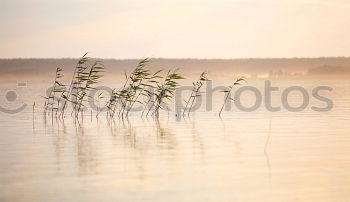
(145, 88)
(124, 99)
(141, 87)
(83, 83)
(86, 74)
(165, 91)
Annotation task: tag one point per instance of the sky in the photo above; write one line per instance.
(174, 28)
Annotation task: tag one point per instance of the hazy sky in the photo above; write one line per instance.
(175, 29)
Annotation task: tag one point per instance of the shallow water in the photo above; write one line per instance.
(245, 156)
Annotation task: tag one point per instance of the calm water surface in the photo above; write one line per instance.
(202, 158)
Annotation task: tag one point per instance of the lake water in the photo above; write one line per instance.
(245, 156)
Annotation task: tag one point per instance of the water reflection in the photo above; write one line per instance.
(242, 157)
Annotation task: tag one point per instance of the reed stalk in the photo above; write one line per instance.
(229, 91)
(195, 93)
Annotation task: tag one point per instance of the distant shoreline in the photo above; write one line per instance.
(12, 69)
